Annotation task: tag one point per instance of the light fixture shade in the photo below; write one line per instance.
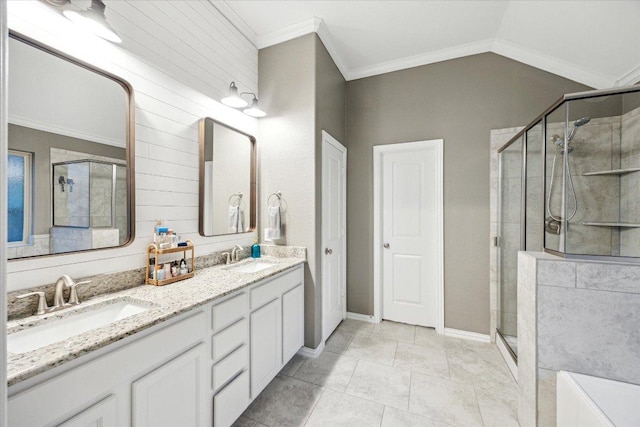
(233, 99)
(94, 21)
(253, 110)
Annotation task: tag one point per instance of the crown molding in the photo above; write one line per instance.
(327, 40)
(552, 65)
(630, 78)
(291, 32)
(422, 59)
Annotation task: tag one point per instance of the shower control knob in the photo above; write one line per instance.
(386, 245)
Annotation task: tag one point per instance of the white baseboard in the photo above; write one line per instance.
(361, 317)
(508, 359)
(311, 352)
(474, 336)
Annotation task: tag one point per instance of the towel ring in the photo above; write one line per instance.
(238, 195)
(278, 195)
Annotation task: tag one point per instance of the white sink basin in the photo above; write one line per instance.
(74, 324)
(250, 267)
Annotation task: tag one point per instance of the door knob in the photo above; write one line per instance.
(386, 245)
(328, 251)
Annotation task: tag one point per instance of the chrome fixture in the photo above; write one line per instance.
(63, 281)
(42, 301)
(228, 255)
(234, 252)
(553, 222)
(92, 20)
(235, 100)
(62, 182)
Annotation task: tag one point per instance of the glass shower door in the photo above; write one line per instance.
(510, 239)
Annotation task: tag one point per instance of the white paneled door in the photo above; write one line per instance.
(410, 233)
(334, 186)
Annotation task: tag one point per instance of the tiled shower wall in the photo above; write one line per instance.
(577, 316)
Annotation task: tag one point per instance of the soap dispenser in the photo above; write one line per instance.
(255, 249)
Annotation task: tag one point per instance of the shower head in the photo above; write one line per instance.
(580, 122)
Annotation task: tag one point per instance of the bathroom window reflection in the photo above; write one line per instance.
(19, 197)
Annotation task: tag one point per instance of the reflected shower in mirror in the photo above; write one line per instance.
(70, 154)
(227, 180)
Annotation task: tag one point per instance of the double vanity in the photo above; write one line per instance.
(194, 353)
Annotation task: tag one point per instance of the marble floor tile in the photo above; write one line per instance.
(424, 360)
(373, 349)
(498, 408)
(338, 409)
(396, 331)
(328, 370)
(292, 367)
(468, 367)
(339, 341)
(383, 384)
(444, 400)
(284, 402)
(427, 337)
(350, 325)
(396, 418)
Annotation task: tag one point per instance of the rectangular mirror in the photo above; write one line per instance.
(227, 180)
(70, 154)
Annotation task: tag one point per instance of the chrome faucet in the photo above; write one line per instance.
(234, 252)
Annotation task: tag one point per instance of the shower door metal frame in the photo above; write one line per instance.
(542, 118)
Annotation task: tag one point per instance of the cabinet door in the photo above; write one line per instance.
(102, 414)
(292, 322)
(266, 347)
(172, 395)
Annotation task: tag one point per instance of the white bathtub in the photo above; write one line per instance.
(590, 401)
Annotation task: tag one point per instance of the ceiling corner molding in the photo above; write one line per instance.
(630, 78)
(552, 65)
(291, 32)
(460, 51)
(325, 36)
(235, 20)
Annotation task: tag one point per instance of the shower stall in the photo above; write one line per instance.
(89, 205)
(569, 185)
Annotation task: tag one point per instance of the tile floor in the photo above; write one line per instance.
(390, 375)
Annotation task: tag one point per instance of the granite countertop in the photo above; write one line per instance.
(164, 302)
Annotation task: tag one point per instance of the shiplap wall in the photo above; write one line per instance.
(169, 103)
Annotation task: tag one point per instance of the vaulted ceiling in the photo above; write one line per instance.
(596, 43)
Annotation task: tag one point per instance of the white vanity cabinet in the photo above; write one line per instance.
(201, 368)
(277, 326)
(151, 381)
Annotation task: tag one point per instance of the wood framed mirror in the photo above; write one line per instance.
(227, 180)
(71, 154)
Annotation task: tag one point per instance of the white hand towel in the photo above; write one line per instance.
(234, 219)
(274, 231)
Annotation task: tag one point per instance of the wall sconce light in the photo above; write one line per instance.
(235, 100)
(92, 20)
(62, 182)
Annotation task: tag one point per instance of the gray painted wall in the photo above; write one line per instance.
(303, 92)
(460, 101)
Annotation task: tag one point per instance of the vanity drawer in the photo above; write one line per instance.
(230, 366)
(231, 338)
(228, 312)
(262, 294)
(231, 402)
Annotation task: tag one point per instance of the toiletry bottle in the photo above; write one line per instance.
(174, 269)
(167, 271)
(255, 249)
(183, 267)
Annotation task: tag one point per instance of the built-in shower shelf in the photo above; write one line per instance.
(612, 172)
(612, 224)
